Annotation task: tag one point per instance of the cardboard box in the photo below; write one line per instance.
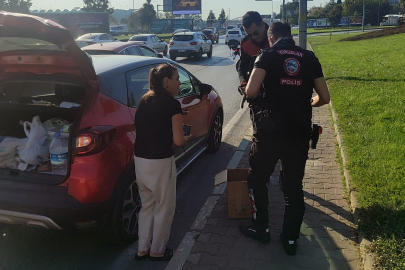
(238, 193)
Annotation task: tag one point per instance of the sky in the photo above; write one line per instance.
(236, 7)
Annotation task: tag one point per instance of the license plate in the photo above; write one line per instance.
(182, 50)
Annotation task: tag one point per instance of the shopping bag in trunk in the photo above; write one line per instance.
(35, 150)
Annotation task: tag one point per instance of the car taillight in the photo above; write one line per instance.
(239, 35)
(93, 140)
(193, 43)
(171, 43)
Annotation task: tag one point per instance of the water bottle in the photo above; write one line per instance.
(59, 154)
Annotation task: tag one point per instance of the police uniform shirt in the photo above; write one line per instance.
(289, 82)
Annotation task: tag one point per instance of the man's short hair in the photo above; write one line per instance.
(251, 17)
(279, 30)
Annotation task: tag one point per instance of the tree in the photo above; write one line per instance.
(169, 15)
(134, 22)
(316, 13)
(124, 21)
(147, 13)
(222, 18)
(112, 19)
(334, 15)
(211, 18)
(18, 6)
(402, 3)
(97, 6)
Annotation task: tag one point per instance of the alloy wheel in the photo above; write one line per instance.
(130, 209)
(217, 128)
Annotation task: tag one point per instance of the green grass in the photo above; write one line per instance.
(338, 29)
(366, 80)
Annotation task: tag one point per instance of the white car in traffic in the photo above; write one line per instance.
(234, 34)
(188, 44)
(93, 38)
(152, 41)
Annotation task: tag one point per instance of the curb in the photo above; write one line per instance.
(367, 257)
(180, 256)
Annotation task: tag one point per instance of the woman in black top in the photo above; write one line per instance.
(158, 123)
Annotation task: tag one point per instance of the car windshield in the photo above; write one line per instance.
(138, 38)
(182, 37)
(99, 52)
(207, 32)
(233, 32)
(87, 36)
(18, 43)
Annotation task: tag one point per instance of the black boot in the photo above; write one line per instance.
(255, 232)
(290, 246)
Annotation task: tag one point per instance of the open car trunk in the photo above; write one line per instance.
(21, 101)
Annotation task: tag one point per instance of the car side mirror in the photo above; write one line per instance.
(160, 56)
(205, 89)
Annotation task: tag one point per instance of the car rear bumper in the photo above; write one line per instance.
(183, 53)
(49, 207)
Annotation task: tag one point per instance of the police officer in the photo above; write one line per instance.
(251, 44)
(289, 74)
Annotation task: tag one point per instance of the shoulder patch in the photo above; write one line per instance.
(292, 66)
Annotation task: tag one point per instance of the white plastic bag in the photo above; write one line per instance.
(35, 150)
(8, 150)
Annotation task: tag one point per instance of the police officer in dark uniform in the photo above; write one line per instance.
(251, 44)
(289, 74)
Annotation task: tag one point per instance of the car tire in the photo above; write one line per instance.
(165, 51)
(226, 43)
(217, 40)
(199, 55)
(209, 54)
(173, 57)
(215, 136)
(121, 226)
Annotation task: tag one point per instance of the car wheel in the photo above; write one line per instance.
(209, 54)
(215, 136)
(217, 40)
(199, 55)
(173, 57)
(226, 43)
(121, 226)
(165, 51)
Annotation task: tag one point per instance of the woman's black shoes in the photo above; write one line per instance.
(290, 246)
(166, 256)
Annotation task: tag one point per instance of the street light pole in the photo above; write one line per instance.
(283, 14)
(364, 15)
(302, 30)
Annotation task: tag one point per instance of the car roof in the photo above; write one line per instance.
(185, 33)
(105, 63)
(144, 35)
(112, 46)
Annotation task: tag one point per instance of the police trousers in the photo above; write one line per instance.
(265, 152)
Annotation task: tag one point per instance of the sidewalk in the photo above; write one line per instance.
(327, 238)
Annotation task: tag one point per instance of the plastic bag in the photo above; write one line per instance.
(54, 124)
(8, 150)
(35, 150)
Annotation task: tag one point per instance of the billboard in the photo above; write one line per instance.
(81, 22)
(186, 7)
(161, 26)
(167, 5)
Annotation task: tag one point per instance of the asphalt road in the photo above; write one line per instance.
(25, 248)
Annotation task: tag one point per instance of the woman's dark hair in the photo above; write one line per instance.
(157, 75)
(279, 30)
(251, 17)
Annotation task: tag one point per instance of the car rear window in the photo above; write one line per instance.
(207, 32)
(87, 36)
(182, 37)
(99, 52)
(138, 38)
(233, 32)
(18, 43)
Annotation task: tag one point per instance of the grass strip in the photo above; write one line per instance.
(366, 80)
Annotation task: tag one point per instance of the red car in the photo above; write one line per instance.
(124, 48)
(40, 63)
(211, 34)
